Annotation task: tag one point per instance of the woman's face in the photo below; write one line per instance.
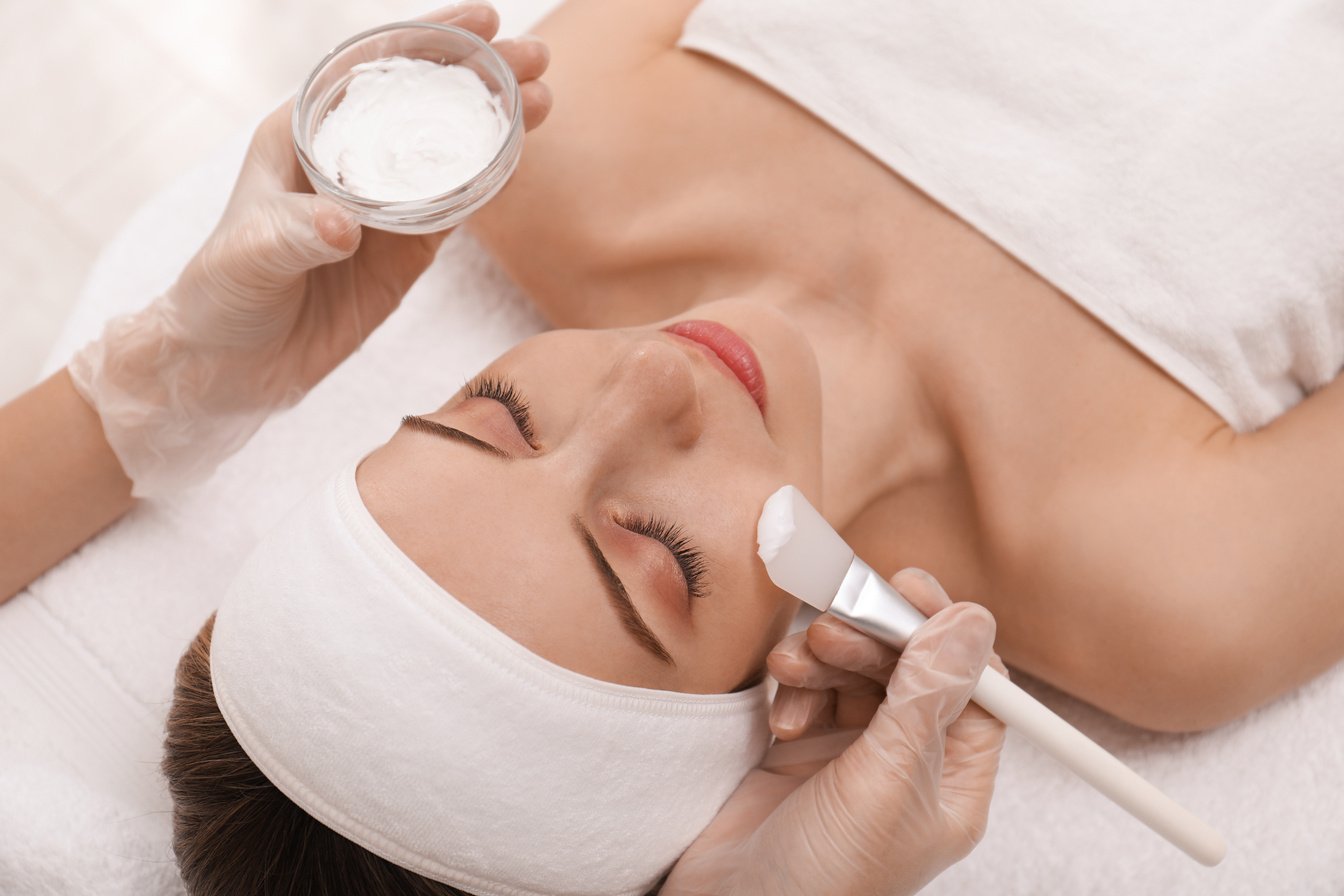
(584, 466)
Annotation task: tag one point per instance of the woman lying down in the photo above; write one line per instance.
(519, 648)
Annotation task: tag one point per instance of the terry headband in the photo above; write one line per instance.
(400, 719)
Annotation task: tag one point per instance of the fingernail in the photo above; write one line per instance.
(971, 637)
(830, 623)
(789, 712)
(335, 226)
(530, 39)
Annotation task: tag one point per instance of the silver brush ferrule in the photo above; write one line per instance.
(867, 602)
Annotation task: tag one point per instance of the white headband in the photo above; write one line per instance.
(400, 719)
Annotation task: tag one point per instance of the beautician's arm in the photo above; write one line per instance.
(286, 287)
(59, 481)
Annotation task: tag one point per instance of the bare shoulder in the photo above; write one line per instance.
(1090, 511)
(1135, 549)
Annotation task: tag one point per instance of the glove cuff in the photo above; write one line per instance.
(159, 397)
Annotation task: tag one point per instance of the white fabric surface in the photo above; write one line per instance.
(87, 651)
(396, 716)
(1176, 168)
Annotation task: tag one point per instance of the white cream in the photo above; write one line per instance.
(775, 527)
(409, 129)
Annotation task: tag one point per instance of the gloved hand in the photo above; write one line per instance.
(874, 810)
(285, 289)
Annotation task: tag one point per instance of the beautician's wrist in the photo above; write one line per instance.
(99, 460)
(130, 364)
(172, 407)
(63, 482)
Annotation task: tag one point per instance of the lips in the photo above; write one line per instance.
(729, 348)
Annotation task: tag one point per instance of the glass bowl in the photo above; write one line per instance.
(446, 45)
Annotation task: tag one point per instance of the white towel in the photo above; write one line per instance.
(1176, 168)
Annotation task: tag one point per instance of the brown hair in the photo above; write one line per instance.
(235, 833)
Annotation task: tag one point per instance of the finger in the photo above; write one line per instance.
(822, 677)
(795, 664)
(921, 589)
(293, 234)
(795, 710)
(805, 683)
(970, 764)
(856, 710)
(537, 101)
(840, 645)
(414, 253)
(997, 663)
(928, 596)
(825, 717)
(975, 731)
(970, 737)
(789, 645)
(527, 56)
(480, 18)
(932, 685)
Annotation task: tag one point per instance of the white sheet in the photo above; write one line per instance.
(87, 652)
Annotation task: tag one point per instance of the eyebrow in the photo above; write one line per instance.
(413, 422)
(620, 598)
(616, 591)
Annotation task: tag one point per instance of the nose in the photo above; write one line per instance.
(650, 398)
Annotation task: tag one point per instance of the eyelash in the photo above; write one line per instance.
(504, 392)
(693, 564)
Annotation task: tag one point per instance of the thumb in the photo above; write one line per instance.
(306, 231)
(932, 684)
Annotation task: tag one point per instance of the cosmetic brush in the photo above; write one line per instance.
(807, 558)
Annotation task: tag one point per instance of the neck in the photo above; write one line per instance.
(880, 428)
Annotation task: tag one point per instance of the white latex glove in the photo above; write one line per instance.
(285, 289)
(875, 810)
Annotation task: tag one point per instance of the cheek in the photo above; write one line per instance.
(796, 439)
(737, 640)
(750, 614)
(805, 458)
(803, 467)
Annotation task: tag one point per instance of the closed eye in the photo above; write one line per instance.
(506, 393)
(694, 566)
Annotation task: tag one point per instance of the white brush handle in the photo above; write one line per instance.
(1117, 781)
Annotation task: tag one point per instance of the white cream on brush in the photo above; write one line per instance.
(805, 557)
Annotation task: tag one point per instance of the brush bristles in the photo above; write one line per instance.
(801, 552)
